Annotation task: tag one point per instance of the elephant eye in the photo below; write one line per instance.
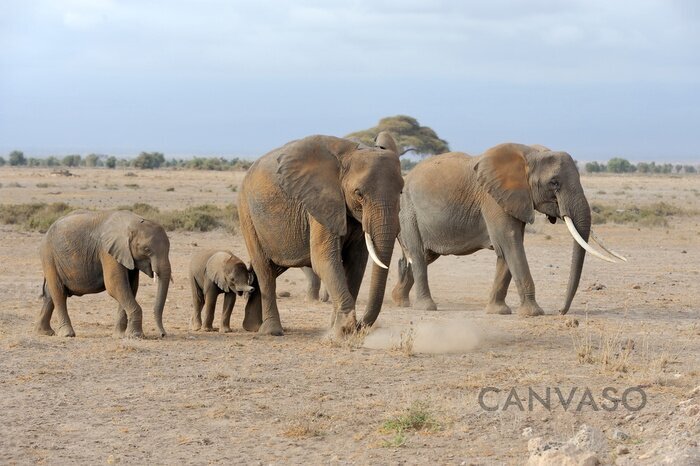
(555, 184)
(358, 193)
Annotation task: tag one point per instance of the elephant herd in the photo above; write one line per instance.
(330, 204)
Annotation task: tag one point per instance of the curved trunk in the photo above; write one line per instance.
(383, 232)
(163, 272)
(580, 213)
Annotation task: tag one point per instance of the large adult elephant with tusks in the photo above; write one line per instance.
(327, 203)
(457, 204)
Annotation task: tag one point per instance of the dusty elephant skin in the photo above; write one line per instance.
(212, 273)
(90, 252)
(485, 202)
(327, 203)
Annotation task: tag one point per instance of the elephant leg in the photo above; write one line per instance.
(118, 286)
(43, 324)
(122, 320)
(229, 302)
(267, 279)
(313, 284)
(211, 294)
(58, 296)
(497, 299)
(197, 305)
(252, 319)
(510, 241)
(403, 287)
(419, 267)
(355, 256)
(326, 257)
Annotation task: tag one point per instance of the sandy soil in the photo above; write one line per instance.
(213, 398)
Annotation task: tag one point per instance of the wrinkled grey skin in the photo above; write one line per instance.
(484, 203)
(211, 273)
(89, 252)
(314, 292)
(309, 204)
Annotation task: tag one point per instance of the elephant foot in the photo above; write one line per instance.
(118, 333)
(399, 298)
(324, 296)
(271, 327)
(65, 331)
(344, 323)
(530, 309)
(224, 329)
(48, 331)
(252, 322)
(135, 333)
(195, 324)
(312, 296)
(208, 328)
(498, 308)
(426, 304)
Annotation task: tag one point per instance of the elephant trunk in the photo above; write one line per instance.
(163, 273)
(580, 214)
(382, 234)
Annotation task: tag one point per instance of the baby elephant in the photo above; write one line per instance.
(212, 273)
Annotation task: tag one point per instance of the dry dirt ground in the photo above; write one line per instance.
(408, 393)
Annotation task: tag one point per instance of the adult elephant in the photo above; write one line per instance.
(457, 204)
(327, 203)
(89, 252)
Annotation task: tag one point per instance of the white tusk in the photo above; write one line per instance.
(582, 242)
(155, 278)
(600, 243)
(372, 252)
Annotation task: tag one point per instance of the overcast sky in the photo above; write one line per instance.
(597, 78)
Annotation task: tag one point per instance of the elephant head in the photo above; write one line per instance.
(523, 179)
(340, 181)
(137, 243)
(229, 273)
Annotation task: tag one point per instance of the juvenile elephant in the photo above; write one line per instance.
(457, 204)
(327, 203)
(214, 272)
(89, 252)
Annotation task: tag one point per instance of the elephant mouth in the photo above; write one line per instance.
(551, 219)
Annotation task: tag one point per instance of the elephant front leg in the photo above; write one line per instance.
(119, 287)
(210, 296)
(326, 257)
(122, 319)
(497, 299)
(197, 305)
(271, 323)
(229, 302)
(510, 241)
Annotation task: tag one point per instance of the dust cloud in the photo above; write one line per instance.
(455, 336)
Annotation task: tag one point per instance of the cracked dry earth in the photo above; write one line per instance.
(202, 398)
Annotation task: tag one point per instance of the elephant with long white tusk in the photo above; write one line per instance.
(326, 203)
(484, 202)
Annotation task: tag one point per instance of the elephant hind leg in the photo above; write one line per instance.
(197, 305)
(403, 287)
(424, 300)
(497, 299)
(229, 302)
(313, 284)
(58, 296)
(43, 324)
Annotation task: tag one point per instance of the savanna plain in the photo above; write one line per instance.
(407, 391)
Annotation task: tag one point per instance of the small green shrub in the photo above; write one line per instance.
(416, 418)
(36, 216)
(656, 214)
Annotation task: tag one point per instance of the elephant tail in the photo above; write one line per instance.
(44, 293)
(404, 261)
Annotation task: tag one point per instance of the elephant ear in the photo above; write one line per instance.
(386, 142)
(309, 172)
(503, 172)
(215, 270)
(116, 236)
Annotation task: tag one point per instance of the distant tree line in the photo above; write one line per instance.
(620, 165)
(145, 160)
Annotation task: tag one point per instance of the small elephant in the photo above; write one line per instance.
(89, 252)
(484, 202)
(214, 272)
